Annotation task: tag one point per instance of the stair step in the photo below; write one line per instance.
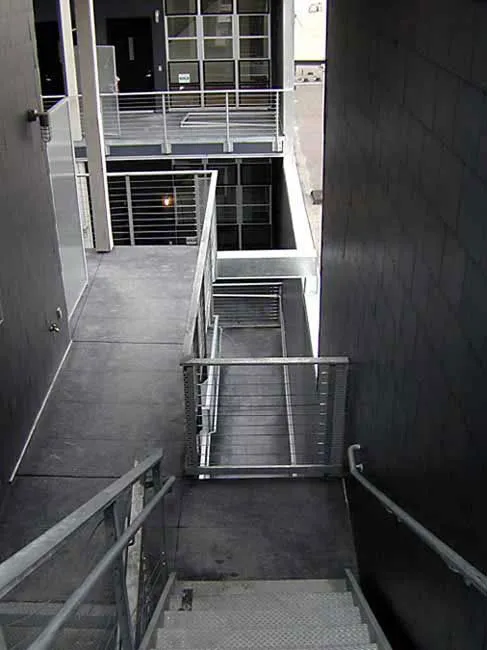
(361, 646)
(302, 636)
(286, 601)
(232, 587)
(346, 615)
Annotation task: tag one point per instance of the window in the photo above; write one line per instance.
(183, 48)
(178, 7)
(255, 195)
(184, 75)
(218, 48)
(254, 74)
(253, 25)
(216, 6)
(254, 48)
(218, 74)
(256, 173)
(183, 26)
(217, 25)
(252, 6)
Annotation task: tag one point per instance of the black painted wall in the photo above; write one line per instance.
(404, 293)
(30, 270)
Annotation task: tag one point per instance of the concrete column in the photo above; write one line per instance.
(85, 29)
(288, 71)
(69, 66)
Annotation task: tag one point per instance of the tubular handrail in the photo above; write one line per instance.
(230, 91)
(267, 361)
(455, 562)
(201, 262)
(28, 559)
(46, 637)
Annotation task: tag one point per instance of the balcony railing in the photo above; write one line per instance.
(171, 118)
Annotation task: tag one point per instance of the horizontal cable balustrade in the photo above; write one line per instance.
(169, 118)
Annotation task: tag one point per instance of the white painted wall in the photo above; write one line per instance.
(309, 29)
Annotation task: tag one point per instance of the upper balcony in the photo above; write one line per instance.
(173, 123)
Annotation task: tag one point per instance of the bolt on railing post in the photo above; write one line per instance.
(130, 211)
(113, 530)
(227, 121)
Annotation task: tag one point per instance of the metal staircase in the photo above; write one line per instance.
(285, 614)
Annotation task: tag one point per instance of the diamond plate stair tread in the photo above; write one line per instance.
(267, 618)
(303, 636)
(362, 646)
(231, 587)
(287, 601)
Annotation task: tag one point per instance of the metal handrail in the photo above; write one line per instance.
(267, 361)
(49, 633)
(28, 559)
(455, 562)
(206, 232)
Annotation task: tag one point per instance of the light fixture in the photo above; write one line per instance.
(157, 15)
(44, 122)
(167, 201)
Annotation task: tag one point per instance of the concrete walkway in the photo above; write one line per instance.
(118, 397)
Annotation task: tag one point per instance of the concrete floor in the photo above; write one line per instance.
(118, 397)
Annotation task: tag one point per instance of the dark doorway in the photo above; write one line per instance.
(49, 54)
(132, 39)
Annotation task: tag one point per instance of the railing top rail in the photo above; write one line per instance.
(29, 558)
(200, 267)
(267, 361)
(452, 559)
(48, 634)
(241, 91)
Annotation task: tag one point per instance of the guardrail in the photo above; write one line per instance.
(100, 576)
(158, 208)
(454, 561)
(185, 116)
(283, 415)
(172, 117)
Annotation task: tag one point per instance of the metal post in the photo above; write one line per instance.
(190, 382)
(157, 481)
(167, 148)
(113, 532)
(339, 409)
(277, 120)
(92, 121)
(128, 191)
(227, 119)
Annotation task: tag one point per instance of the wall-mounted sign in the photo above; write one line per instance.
(184, 78)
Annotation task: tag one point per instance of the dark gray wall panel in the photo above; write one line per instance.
(30, 271)
(404, 293)
(46, 10)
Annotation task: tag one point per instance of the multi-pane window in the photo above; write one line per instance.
(224, 32)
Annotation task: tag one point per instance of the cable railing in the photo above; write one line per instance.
(271, 415)
(454, 561)
(175, 117)
(99, 578)
(171, 118)
(158, 208)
